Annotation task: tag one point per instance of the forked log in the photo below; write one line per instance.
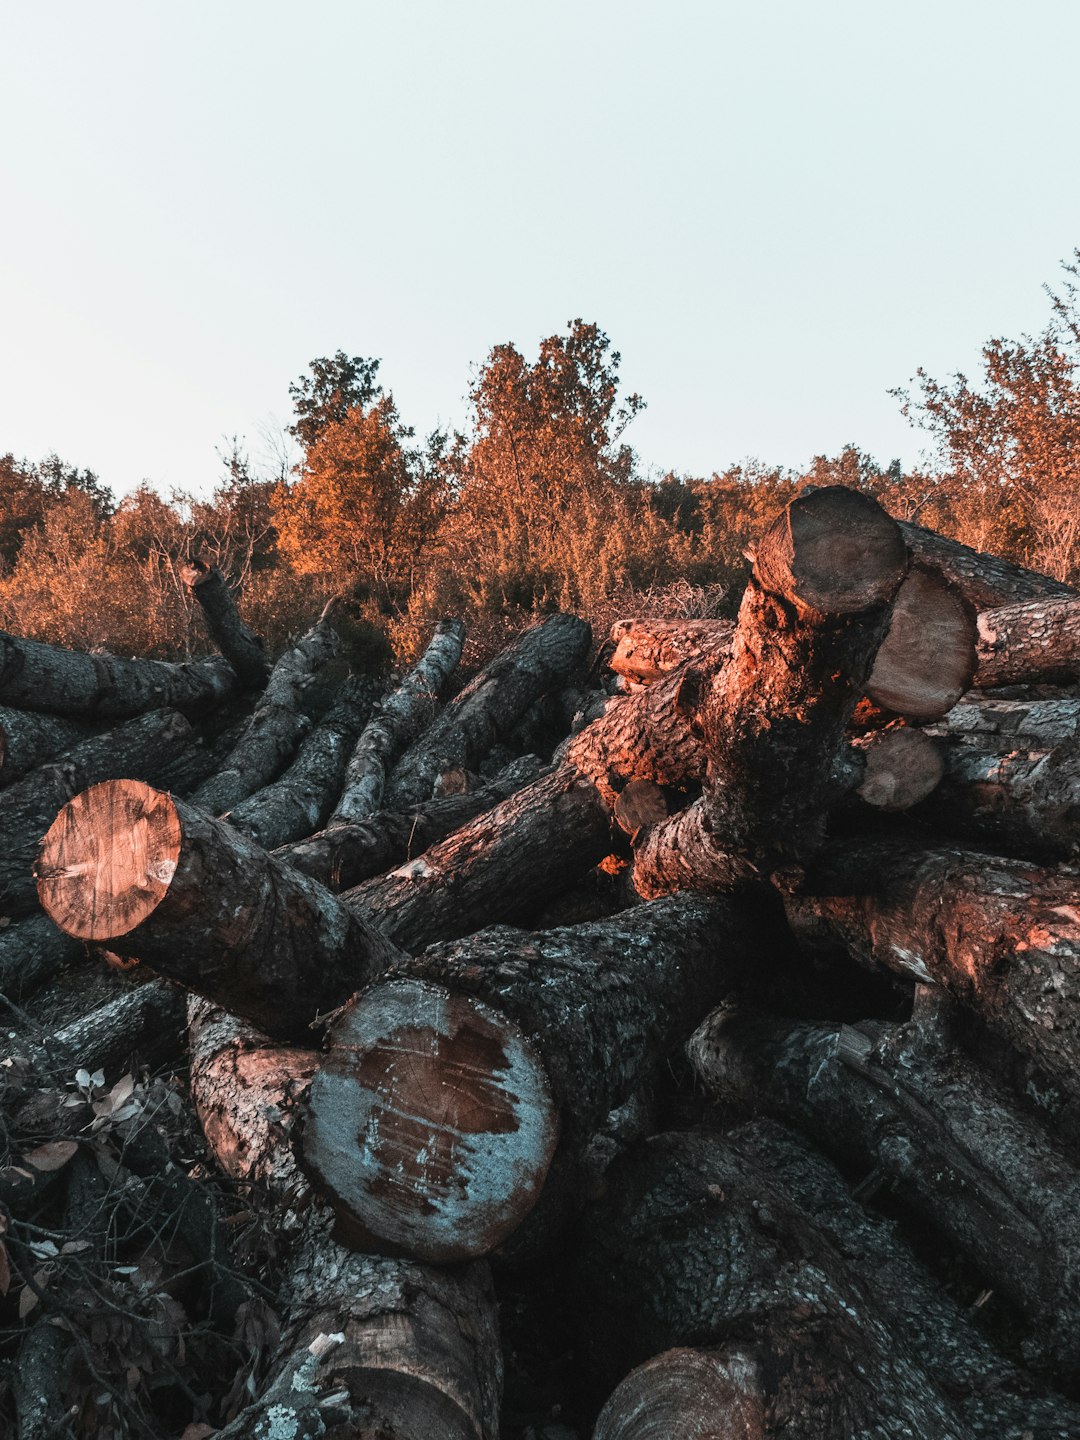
(145, 746)
(398, 719)
(950, 1142)
(693, 1248)
(434, 1119)
(1030, 642)
(36, 676)
(647, 649)
(1003, 936)
(243, 649)
(149, 876)
(28, 739)
(927, 658)
(371, 1346)
(986, 580)
(542, 658)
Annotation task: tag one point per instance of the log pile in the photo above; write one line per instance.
(693, 1057)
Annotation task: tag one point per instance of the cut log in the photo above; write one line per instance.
(647, 649)
(243, 649)
(344, 855)
(149, 876)
(986, 580)
(279, 722)
(927, 659)
(371, 1346)
(144, 747)
(692, 1394)
(952, 1145)
(1003, 936)
(432, 1124)
(399, 718)
(27, 740)
(148, 1015)
(901, 767)
(35, 676)
(1024, 644)
(692, 1248)
(1005, 725)
(300, 802)
(542, 658)
(815, 610)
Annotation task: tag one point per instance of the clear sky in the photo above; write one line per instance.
(776, 210)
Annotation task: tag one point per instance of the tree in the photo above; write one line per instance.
(333, 388)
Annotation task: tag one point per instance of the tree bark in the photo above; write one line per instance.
(1001, 726)
(149, 876)
(35, 676)
(1035, 641)
(690, 1247)
(1003, 936)
(346, 854)
(243, 649)
(647, 649)
(530, 1034)
(279, 722)
(371, 1346)
(927, 660)
(986, 580)
(952, 1145)
(31, 953)
(540, 659)
(399, 718)
(28, 740)
(144, 747)
(148, 1013)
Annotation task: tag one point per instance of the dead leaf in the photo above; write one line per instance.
(53, 1156)
(198, 1432)
(5, 1270)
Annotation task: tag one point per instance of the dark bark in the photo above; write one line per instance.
(35, 676)
(986, 580)
(951, 1144)
(542, 658)
(143, 747)
(32, 951)
(398, 719)
(531, 1034)
(146, 1016)
(148, 876)
(927, 659)
(1035, 641)
(1004, 725)
(647, 649)
(243, 649)
(28, 740)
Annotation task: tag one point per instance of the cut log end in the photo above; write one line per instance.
(692, 1394)
(431, 1126)
(902, 768)
(835, 550)
(927, 660)
(108, 859)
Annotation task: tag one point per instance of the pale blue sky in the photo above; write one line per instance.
(776, 210)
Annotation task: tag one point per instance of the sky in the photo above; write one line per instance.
(776, 210)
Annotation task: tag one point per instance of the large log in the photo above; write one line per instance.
(542, 658)
(36, 676)
(950, 1142)
(32, 951)
(434, 1119)
(691, 1247)
(243, 649)
(28, 739)
(1001, 935)
(144, 746)
(371, 1346)
(398, 719)
(279, 722)
(1037, 640)
(986, 580)
(814, 613)
(647, 649)
(149, 876)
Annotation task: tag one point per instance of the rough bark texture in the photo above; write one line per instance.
(497, 868)
(1026, 643)
(31, 953)
(151, 877)
(300, 802)
(344, 855)
(927, 659)
(398, 719)
(602, 1003)
(372, 1347)
(27, 740)
(243, 649)
(950, 1142)
(1003, 936)
(647, 649)
(986, 580)
(147, 1017)
(1004, 725)
(692, 1247)
(540, 659)
(141, 747)
(278, 724)
(35, 676)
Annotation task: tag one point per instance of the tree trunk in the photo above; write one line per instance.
(691, 1247)
(986, 580)
(1003, 936)
(149, 876)
(399, 718)
(35, 676)
(300, 802)
(27, 740)
(527, 1034)
(243, 649)
(279, 722)
(371, 1346)
(344, 855)
(1035, 641)
(927, 659)
(540, 659)
(952, 1145)
(144, 746)
(647, 649)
